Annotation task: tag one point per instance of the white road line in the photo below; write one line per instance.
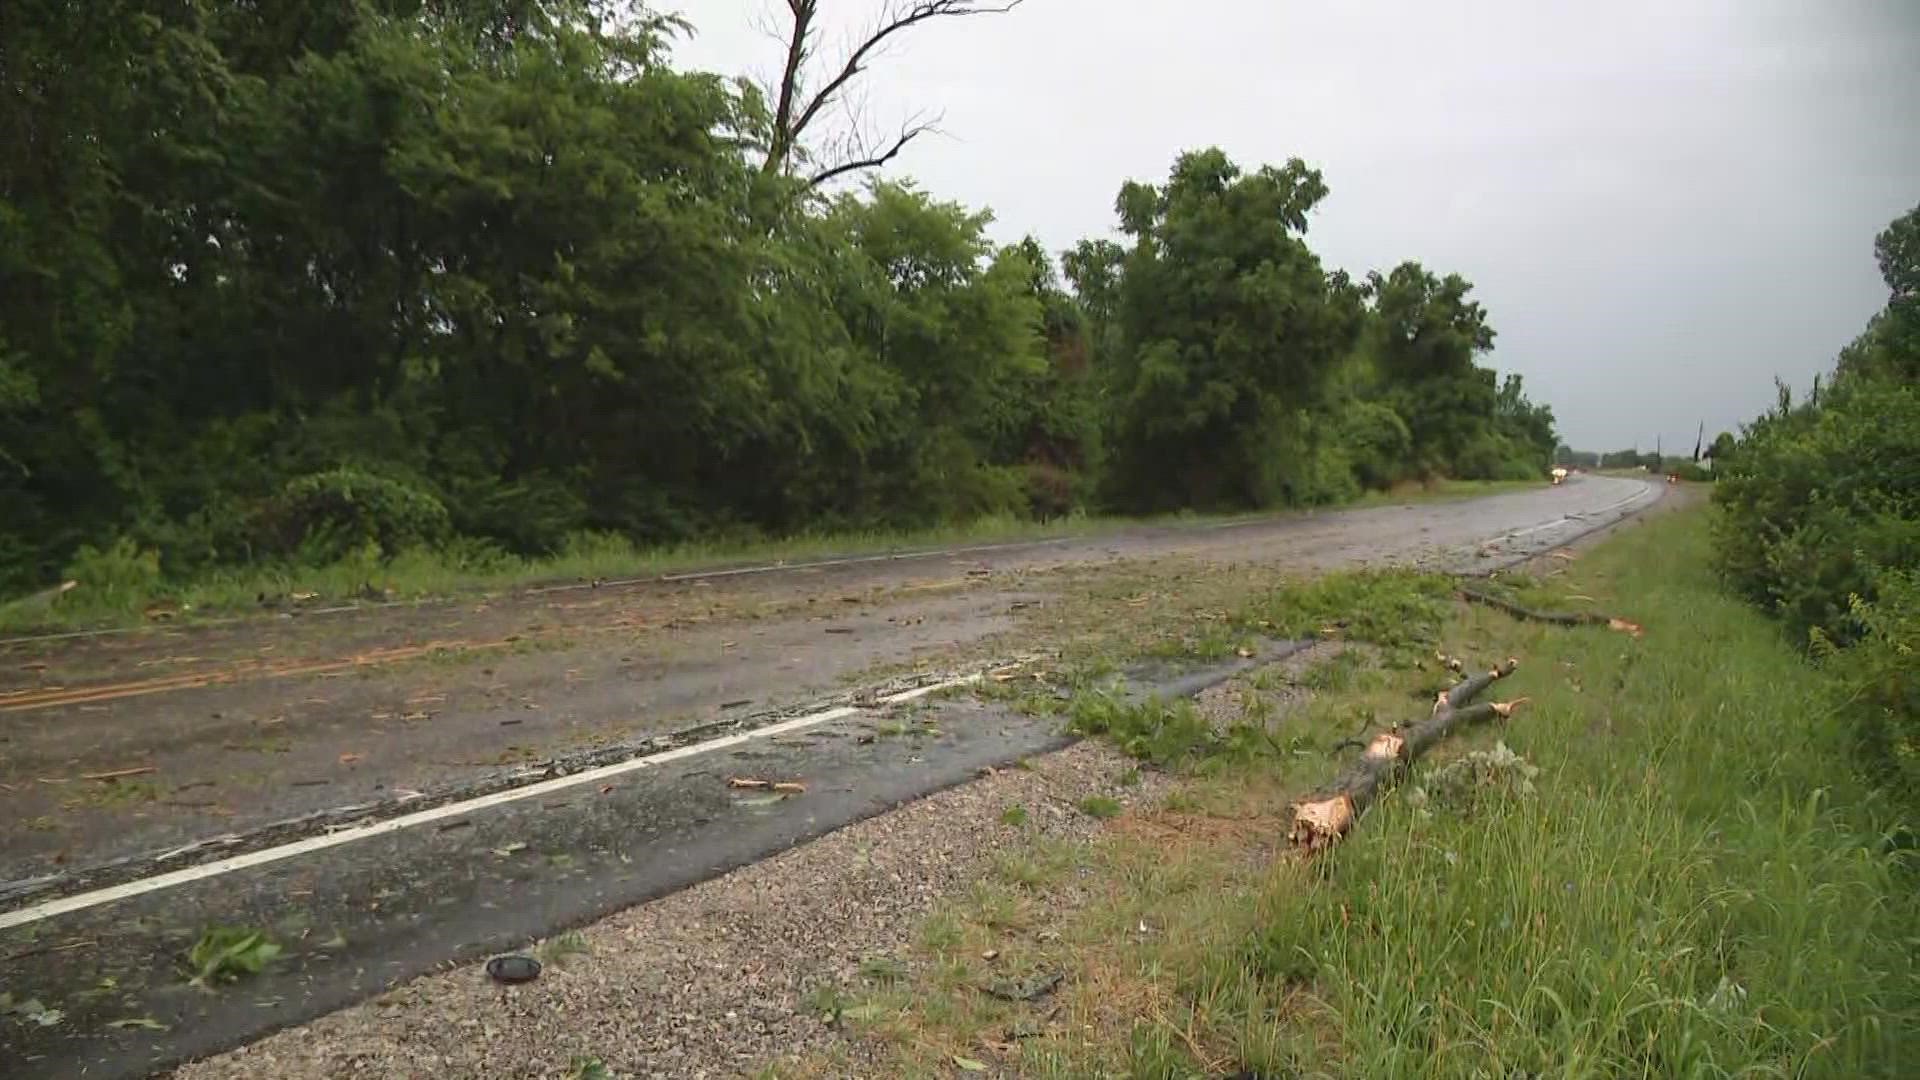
(127, 890)
(1635, 497)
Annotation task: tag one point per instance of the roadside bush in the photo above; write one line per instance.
(1819, 518)
(1376, 441)
(324, 516)
(532, 516)
(120, 577)
(1880, 675)
(1820, 493)
(1052, 492)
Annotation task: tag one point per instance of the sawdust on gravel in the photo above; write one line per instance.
(712, 981)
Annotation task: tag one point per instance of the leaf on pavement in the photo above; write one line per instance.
(144, 1023)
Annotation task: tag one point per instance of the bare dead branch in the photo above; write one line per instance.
(784, 131)
(872, 161)
(796, 110)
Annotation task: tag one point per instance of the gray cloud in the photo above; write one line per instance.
(1664, 205)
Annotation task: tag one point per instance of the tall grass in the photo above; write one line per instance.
(1696, 887)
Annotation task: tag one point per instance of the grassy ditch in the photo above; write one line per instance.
(1667, 865)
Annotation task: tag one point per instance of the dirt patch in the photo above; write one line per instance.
(1173, 827)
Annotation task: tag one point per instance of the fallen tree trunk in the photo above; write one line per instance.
(1321, 821)
(1561, 618)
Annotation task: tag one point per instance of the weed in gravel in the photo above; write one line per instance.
(226, 954)
(996, 907)
(1210, 644)
(943, 931)
(588, 1068)
(1164, 734)
(1039, 865)
(884, 970)
(1015, 816)
(563, 949)
(1101, 807)
(1176, 734)
(825, 1000)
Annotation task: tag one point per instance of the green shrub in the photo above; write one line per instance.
(1818, 494)
(531, 516)
(1881, 674)
(1376, 440)
(326, 515)
(1051, 491)
(588, 545)
(1819, 516)
(122, 577)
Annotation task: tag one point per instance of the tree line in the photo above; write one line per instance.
(1819, 516)
(286, 284)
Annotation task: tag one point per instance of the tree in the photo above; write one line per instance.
(805, 92)
(1427, 335)
(1229, 329)
(1721, 451)
(1890, 346)
(284, 284)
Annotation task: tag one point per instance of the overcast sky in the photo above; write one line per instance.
(1662, 203)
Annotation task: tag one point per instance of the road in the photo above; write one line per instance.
(393, 789)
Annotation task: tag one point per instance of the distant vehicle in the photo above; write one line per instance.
(1559, 474)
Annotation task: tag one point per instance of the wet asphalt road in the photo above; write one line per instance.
(239, 726)
(358, 917)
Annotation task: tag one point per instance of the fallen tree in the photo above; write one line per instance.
(1559, 618)
(1321, 821)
